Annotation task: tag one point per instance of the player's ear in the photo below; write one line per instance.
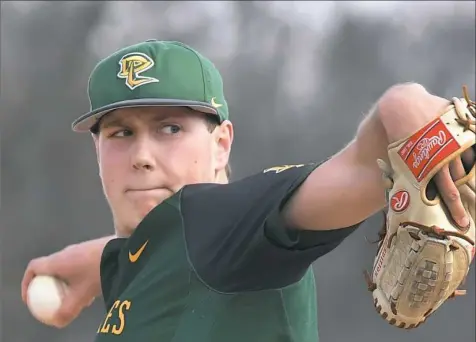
(223, 141)
(95, 137)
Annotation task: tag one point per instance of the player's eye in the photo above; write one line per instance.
(170, 129)
(121, 133)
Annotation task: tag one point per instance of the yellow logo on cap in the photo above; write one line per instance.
(214, 104)
(131, 67)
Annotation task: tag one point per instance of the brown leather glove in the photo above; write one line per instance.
(423, 255)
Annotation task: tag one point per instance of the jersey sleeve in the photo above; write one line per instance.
(237, 239)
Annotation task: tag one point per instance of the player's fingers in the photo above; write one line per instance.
(27, 277)
(35, 267)
(451, 196)
(469, 158)
(75, 299)
(71, 307)
(457, 169)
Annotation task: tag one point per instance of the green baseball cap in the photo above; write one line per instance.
(154, 73)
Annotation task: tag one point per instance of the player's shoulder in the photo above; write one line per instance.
(283, 168)
(253, 184)
(286, 174)
(284, 171)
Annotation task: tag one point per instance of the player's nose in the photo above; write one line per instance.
(142, 155)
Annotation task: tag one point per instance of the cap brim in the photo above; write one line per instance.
(88, 120)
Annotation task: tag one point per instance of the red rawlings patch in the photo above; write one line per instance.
(400, 201)
(428, 147)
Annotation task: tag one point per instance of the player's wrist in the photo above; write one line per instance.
(405, 108)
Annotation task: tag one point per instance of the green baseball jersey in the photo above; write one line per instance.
(216, 263)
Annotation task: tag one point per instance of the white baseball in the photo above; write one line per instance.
(45, 295)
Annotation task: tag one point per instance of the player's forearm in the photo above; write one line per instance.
(92, 252)
(371, 140)
(96, 246)
(348, 188)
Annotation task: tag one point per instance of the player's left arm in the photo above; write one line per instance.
(264, 231)
(348, 188)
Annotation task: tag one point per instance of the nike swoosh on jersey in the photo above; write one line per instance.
(134, 257)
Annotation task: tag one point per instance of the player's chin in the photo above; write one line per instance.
(130, 218)
(148, 198)
(144, 203)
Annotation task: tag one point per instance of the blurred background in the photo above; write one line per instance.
(298, 78)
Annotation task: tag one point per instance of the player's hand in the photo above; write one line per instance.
(404, 110)
(446, 187)
(78, 266)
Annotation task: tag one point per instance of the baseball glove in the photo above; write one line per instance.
(423, 255)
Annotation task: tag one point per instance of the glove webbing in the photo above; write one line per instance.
(430, 230)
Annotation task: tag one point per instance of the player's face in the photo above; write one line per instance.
(146, 154)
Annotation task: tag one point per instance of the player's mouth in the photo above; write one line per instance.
(148, 191)
(143, 189)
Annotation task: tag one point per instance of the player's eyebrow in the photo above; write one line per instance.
(113, 122)
(120, 121)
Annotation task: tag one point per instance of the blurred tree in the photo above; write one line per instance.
(46, 47)
(260, 54)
